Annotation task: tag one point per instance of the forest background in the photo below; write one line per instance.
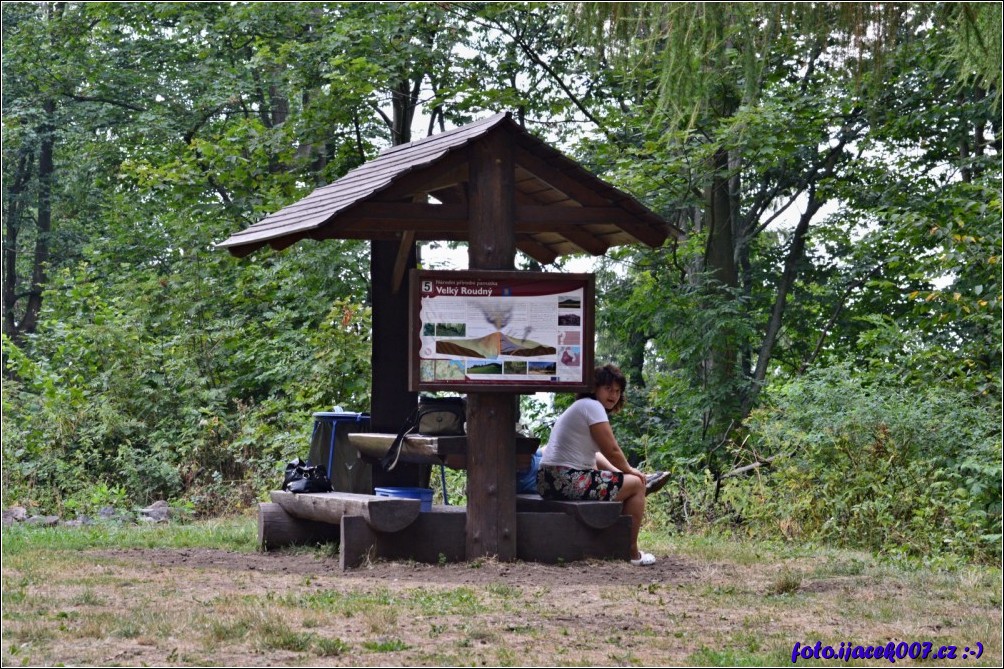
(819, 359)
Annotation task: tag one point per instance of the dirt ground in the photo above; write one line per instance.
(584, 573)
(201, 607)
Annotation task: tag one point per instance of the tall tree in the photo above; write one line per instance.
(743, 99)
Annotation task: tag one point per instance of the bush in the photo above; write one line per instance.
(877, 465)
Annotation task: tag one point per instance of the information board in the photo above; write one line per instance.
(484, 331)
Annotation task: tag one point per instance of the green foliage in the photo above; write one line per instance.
(160, 367)
(875, 463)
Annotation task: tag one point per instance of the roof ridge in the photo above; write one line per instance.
(475, 125)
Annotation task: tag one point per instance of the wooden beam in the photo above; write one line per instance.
(401, 262)
(595, 514)
(449, 170)
(277, 529)
(536, 250)
(536, 214)
(491, 417)
(390, 401)
(531, 216)
(585, 241)
(559, 537)
(402, 214)
(453, 194)
(558, 180)
(388, 220)
(645, 234)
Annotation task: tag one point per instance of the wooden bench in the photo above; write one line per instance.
(371, 526)
(384, 514)
(565, 531)
(364, 526)
(597, 515)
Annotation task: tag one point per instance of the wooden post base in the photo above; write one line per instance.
(437, 537)
(278, 529)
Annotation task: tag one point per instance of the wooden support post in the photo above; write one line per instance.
(405, 253)
(391, 402)
(491, 417)
(560, 537)
(358, 542)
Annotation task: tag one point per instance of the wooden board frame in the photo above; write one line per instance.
(484, 286)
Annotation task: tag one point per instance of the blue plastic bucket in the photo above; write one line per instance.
(424, 495)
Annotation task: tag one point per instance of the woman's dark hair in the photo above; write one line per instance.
(607, 375)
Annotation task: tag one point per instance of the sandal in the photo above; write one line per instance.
(646, 560)
(655, 482)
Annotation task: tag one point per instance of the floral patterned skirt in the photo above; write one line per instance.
(554, 482)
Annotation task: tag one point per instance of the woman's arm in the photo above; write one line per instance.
(603, 434)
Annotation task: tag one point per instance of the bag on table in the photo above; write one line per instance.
(435, 416)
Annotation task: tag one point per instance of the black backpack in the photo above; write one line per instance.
(434, 416)
(303, 478)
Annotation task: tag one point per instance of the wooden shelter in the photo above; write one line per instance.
(499, 188)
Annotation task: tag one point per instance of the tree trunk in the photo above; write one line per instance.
(636, 359)
(12, 226)
(720, 261)
(40, 263)
(795, 254)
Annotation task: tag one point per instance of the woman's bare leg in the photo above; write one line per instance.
(632, 495)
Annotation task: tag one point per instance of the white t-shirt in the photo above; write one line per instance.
(572, 444)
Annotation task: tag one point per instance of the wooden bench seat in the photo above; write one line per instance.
(384, 514)
(598, 515)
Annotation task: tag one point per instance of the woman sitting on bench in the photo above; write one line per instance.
(568, 468)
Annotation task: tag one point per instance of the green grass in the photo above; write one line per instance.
(235, 534)
(722, 602)
(786, 582)
(734, 658)
(385, 645)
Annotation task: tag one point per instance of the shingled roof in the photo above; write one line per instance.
(561, 208)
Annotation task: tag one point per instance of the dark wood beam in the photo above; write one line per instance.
(453, 194)
(491, 417)
(644, 235)
(558, 180)
(449, 170)
(402, 215)
(391, 401)
(585, 241)
(378, 217)
(528, 216)
(538, 213)
(401, 262)
(536, 250)
(361, 231)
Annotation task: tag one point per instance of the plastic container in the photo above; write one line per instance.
(329, 446)
(424, 495)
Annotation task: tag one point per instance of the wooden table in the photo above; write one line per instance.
(432, 450)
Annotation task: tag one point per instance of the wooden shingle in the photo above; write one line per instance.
(419, 190)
